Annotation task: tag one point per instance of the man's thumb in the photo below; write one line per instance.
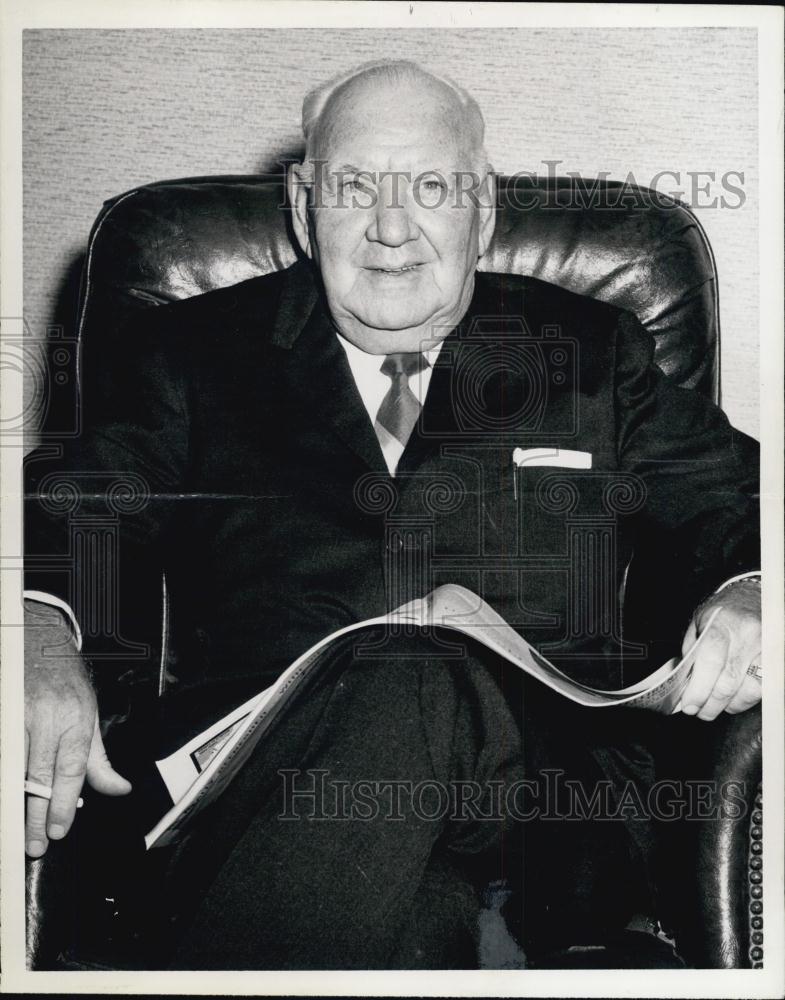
(100, 774)
(689, 638)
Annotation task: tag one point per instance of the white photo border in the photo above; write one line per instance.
(18, 15)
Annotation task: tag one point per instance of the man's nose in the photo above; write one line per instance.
(391, 223)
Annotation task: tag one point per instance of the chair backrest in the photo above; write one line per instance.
(613, 241)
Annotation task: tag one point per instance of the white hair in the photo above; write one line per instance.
(392, 71)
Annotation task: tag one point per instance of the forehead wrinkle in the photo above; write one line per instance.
(347, 147)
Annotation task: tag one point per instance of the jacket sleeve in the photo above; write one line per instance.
(699, 524)
(97, 507)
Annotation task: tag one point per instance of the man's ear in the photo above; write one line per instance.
(487, 209)
(298, 187)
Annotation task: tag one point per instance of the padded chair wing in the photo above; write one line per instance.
(626, 245)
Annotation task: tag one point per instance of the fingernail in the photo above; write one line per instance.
(689, 709)
(35, 848)
(56, 831)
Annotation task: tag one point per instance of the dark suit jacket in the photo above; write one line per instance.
(254, 479)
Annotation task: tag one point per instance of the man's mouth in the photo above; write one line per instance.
(403, 269)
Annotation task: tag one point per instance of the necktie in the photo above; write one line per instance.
(400, 408)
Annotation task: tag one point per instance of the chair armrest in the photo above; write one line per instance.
(50, 905)
(727, 885)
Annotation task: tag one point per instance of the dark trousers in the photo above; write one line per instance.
(342, 842)
(360, 830)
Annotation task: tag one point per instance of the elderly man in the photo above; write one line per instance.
(281, 407)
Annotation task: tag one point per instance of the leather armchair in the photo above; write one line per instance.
(622, 244)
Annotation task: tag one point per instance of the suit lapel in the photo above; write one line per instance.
(321, 381)
(438, 420)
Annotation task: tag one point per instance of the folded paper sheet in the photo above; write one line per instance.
(199, 771)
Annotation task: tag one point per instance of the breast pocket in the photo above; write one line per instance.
(553, 503)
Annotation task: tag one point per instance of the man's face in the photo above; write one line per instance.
(395, 241)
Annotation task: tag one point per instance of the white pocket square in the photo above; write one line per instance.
(561, 457)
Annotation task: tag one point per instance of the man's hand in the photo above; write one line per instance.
(720, 680)
(62, 740)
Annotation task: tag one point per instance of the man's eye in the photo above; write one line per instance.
(431, 191)
(352, 184)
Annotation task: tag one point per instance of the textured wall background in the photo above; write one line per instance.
(106, 110)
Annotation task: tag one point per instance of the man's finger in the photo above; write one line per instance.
(36, 840)
(728, 681)
(40, 768)
(749, 694)
(709, 665)
(69, 774)
(100, 774)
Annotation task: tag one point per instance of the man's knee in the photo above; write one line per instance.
(400, 663)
